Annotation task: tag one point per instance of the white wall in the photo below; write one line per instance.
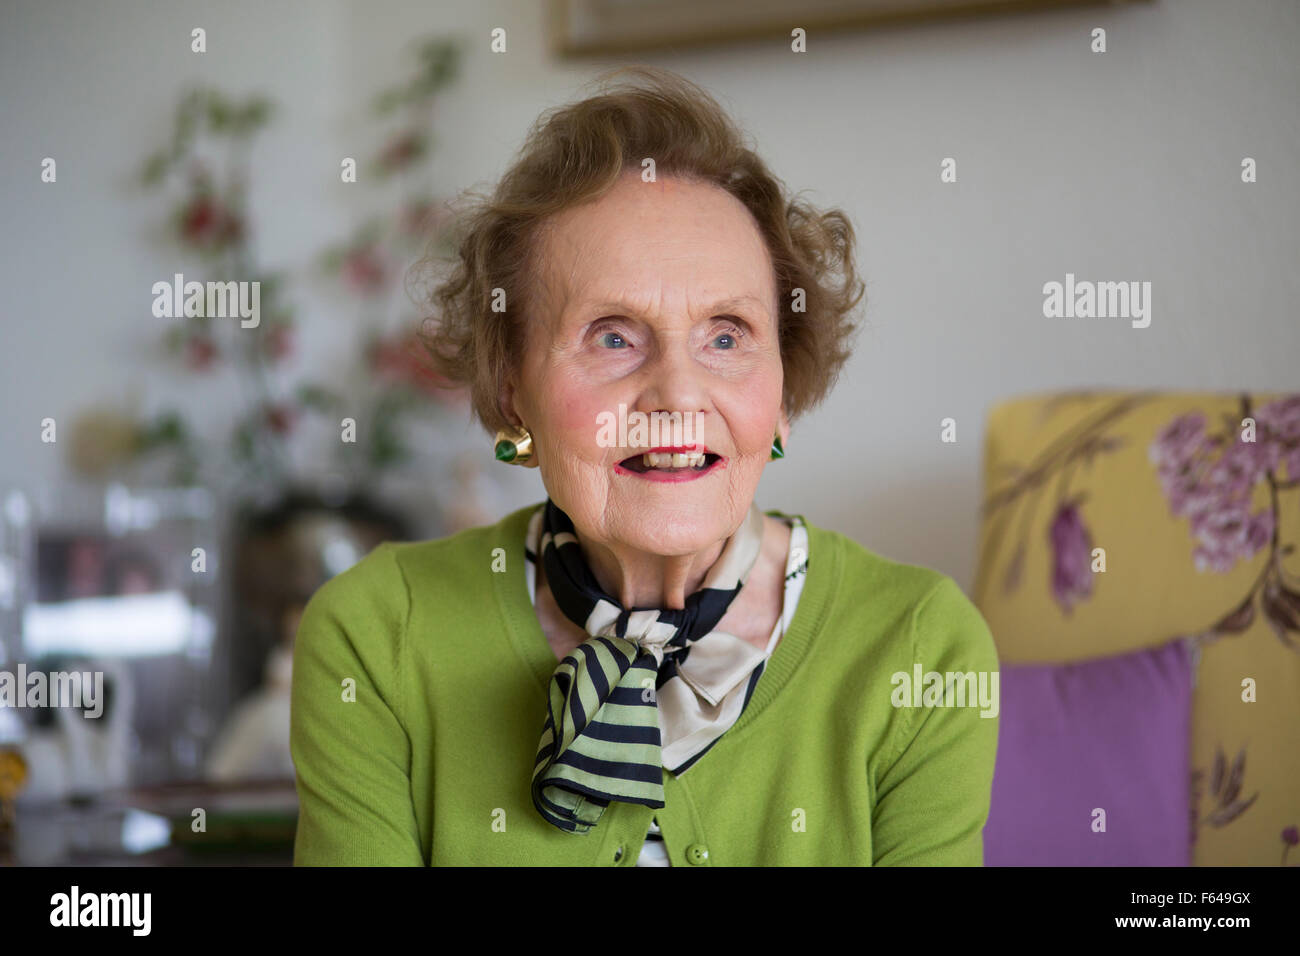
(1117, 166)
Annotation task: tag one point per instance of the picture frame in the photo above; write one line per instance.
(603, 27)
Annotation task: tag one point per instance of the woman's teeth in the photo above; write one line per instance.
(656, 459)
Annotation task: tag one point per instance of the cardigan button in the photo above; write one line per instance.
(618, 854)
(697, 854)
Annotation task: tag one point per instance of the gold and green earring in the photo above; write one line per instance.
(514, 446)
(778, 451)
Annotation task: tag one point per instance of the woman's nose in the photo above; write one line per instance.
(673, 381)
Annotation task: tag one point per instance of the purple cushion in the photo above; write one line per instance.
(1110, 733)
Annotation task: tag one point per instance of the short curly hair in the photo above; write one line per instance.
(574, 154)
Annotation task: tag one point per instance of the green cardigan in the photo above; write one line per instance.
(419, 694)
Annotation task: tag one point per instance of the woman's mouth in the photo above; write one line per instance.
(669, 464)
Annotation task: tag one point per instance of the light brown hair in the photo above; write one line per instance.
(572, 155)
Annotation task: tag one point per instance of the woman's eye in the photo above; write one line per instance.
(616, 340)
(734, 334)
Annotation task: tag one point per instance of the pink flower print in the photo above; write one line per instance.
(1072, 557)
(1280, 422)
(1228, 534)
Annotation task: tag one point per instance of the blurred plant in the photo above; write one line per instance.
(105, 441)
(370, 264)
(210, 221)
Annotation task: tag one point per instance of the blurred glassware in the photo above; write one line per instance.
(127, 578)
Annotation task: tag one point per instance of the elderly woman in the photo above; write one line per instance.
(645, 668)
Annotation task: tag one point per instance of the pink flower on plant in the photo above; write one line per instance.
(1071, 557)
(206, 222)
(281, 418)
(401, 150)
(419, 215)
(364, 271)
(402, 360)
(200, 352)
(278, 342)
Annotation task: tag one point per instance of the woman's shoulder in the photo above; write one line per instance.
(899, 595)
(861, 570)
(469, 557)
(364, 611)
(459, 564)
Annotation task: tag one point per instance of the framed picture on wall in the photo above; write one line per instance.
(585, 27)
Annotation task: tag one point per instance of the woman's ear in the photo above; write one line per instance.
(783, 428)
(506, 399)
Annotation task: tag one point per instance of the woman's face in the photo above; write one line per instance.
(659, 297)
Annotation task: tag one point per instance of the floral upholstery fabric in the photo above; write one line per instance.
(1114, 521)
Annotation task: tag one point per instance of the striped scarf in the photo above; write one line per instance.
(647, 691)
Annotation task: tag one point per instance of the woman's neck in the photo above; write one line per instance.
(639, 579)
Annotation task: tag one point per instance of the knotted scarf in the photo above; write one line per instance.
(652, 688)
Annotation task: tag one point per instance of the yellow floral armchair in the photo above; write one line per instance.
(1114, 522)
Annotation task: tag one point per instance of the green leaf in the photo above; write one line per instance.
(186, 472)
(170, 428)
(220, 113)
(387, 101)
(257, 112)
(442, 61)
(370, 232)
(424, 87)
(155, 167)
(314, 396)
(184, 124)
(331, 260)
(242, 442)
(387, 449)
(270, 284)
